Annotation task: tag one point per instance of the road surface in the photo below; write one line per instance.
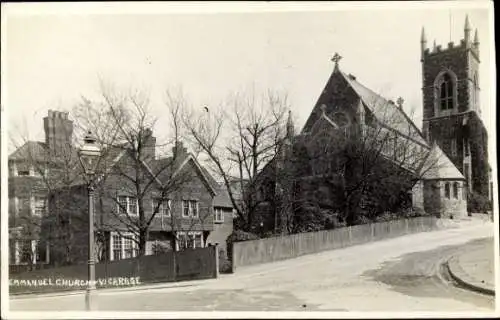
(400, 274)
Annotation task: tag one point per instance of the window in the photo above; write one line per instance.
(41, 253)
(446, 93)
(190, 240)
(447, 190)
(219, 215)
(128, 248)
(185, 208)
(453, 147)
(129, 204)
(26, 251)
(116, 250)
(29, 251)
(123, 246)
(190, 208)
(388, 145)
(455, 190)
(133, 206)
(163, 207)
(40, 206)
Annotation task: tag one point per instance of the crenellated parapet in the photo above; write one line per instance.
(465, 44)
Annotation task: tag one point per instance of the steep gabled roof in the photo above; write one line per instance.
(439, 166)
(34, 150)
(169, 167)
(385, 111)
(436, 165)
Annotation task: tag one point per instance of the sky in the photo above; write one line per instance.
(52, 54)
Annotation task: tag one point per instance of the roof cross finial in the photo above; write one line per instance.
(400, 102)
(336, 58)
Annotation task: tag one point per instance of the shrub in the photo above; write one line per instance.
(414, 212)
(386, 216)
(237, 236)
(362, 220)
(478, 203)
(224, 263)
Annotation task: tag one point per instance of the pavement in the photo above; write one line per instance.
(400, 275)
(474, 269)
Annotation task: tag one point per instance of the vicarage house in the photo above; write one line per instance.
(192, 214)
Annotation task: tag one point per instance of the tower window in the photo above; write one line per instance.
(446, 93)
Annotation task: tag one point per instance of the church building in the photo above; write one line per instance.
(452, 108)
(438, 167)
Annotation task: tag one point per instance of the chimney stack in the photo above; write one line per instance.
(58, 132)
(179, 151)
(149, 147)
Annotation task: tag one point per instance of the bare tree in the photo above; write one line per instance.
(239, 139)
(352, 166)
(123, 122)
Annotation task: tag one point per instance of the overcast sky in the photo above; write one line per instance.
(52, 55)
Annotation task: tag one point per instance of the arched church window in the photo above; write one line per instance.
(446, 93)
(455, 190)
(447, 190)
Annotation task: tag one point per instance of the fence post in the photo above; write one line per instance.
(233, 265)
(350, 236)
(174, 263)
(216, 256)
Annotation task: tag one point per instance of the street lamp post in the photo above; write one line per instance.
(89, 156)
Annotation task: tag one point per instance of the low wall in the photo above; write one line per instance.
(191, 264)
(252, 252)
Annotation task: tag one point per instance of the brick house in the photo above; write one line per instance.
(223, 220)
(33, 169)
(185, 218)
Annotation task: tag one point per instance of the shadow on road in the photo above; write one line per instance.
(422, 274)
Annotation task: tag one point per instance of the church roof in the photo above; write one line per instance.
(439, 166)
(386, 111)
(435, 165)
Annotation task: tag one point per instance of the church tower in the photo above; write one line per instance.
(451, 106)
